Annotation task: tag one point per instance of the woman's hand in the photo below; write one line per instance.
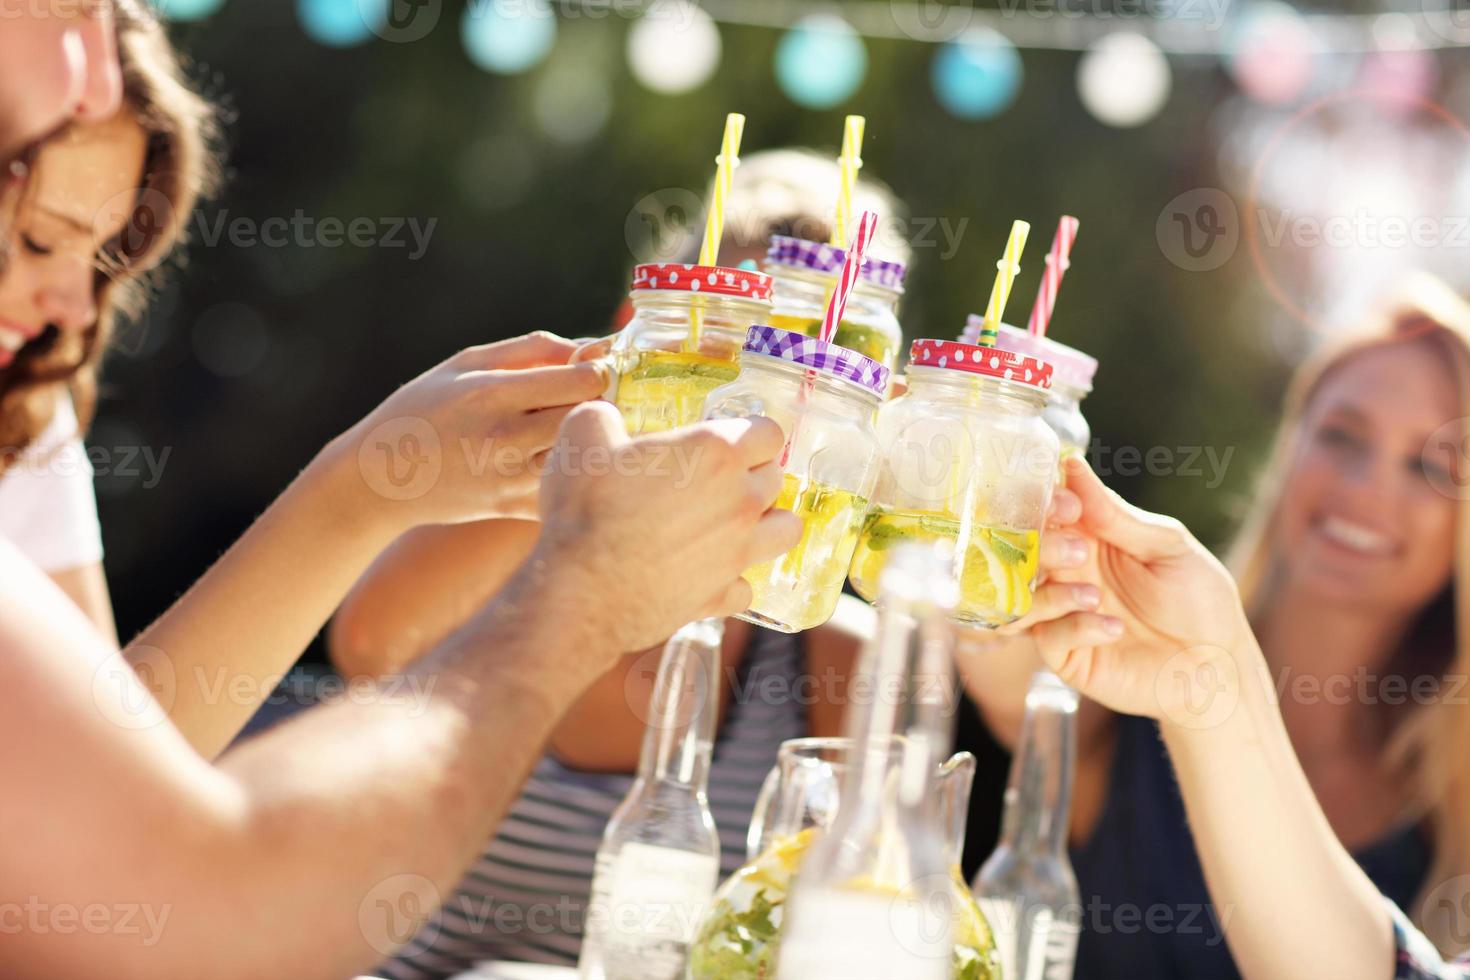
(468, 439)
(1164, 639)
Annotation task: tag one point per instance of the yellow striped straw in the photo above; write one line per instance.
(714, 223)
(1005, 278)
(849, 164)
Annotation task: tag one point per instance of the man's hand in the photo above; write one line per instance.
(658, 529)
(466, 440)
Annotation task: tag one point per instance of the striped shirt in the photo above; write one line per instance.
(525, 898)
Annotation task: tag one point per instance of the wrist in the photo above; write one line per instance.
(1222, 693)
(538, 635)
(336, 477)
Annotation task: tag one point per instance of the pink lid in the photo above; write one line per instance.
(1070, 367)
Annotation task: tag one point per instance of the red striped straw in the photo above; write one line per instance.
(850, 268)
(1051, 279)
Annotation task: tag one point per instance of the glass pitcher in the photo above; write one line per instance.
(740, 934)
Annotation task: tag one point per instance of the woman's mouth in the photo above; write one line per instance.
(1359, 539)
(13, 337)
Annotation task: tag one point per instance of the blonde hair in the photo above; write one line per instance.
(179, 167)
(1428, 743)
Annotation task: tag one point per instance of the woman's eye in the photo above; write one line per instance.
(1437, 474)
(1338, 437)
(33, 246)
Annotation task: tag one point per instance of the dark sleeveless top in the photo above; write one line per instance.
(1146, 913)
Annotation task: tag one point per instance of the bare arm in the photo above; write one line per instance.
(119, 814)
(124, 816)
(86, 587)
(435, 451)
(423, 588)
(1178, 648)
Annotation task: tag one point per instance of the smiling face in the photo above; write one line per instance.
(79, 201)
(1361, 521)
(58, 61)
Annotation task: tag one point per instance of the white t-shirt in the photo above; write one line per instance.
(48, 508)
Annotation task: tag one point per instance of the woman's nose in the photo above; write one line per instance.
(69, 301)
(101, 94)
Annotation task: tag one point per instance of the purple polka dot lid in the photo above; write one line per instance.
(819, 355)
(798, 253)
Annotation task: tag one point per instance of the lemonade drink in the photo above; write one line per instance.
(661, 378)
(805, 273)
(800, 588)
(824, 398)
(968, 461)
(996, 566)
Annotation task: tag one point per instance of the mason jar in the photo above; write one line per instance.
(805, 274)
(967, 459)
(824, 398)
(1071, 382)
(659, 378)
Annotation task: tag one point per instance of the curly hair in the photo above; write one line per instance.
(180, 166)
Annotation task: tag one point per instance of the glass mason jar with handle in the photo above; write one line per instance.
(823, 396)
(804, 275)
(967, 459)
(658, 382)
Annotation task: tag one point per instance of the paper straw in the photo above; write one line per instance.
(1051, 279)
(849, 276)
(1005, 278)
(835, 307)
(848, 164)
(714, 224)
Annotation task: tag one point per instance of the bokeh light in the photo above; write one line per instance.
(341, 23)
(978, 74)
(1123, 79)
(186, 10)
(821, 61)
(674, 48)
(508, 41)
(1273, 53)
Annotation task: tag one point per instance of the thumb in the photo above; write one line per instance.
(595, 423)
(1109, 518)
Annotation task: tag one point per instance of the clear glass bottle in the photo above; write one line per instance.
(1027, 887)
(967, 459)
(823, 397)
(1071, 381)
(660, 856)
(657, 381)
(876, 896)
(805, 274)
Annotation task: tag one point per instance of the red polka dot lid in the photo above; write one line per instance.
(716, 279)
(990, 362)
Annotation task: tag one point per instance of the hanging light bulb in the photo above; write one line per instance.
(674, 48)
(821, 61)
(978, 74)
(1123, 79)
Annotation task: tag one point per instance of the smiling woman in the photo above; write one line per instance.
(104, 203)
